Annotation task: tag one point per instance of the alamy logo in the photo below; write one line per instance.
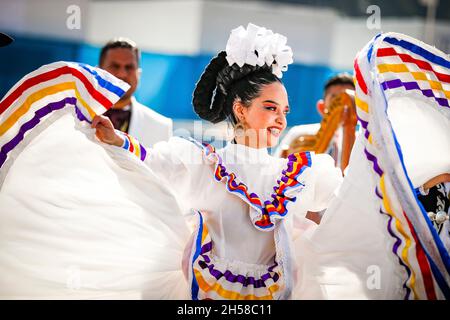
(374, 20)
(373, 281)
(73, 21)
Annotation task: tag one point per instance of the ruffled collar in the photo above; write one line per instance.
(264, 212)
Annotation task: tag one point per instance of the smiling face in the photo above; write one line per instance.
(265, 118)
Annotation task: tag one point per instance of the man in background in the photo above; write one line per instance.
(332, 88)
(121, 58)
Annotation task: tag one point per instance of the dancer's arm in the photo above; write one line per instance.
(177, 162)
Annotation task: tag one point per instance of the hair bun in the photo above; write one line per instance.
(208, 102)
(212, 90)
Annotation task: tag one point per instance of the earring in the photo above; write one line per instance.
(239, 129)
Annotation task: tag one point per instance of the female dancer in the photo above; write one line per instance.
(245, 199)
(82, 219)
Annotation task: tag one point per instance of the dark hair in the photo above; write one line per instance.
(120, 43)
(220, 85)
(339, 79)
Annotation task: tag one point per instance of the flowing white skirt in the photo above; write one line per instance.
(75, 224)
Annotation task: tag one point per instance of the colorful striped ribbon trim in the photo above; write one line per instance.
(51, 88)
(270, 209)
(132, 145)
(207, 278)
(408, 248)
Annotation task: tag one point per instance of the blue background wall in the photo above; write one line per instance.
(167, 81)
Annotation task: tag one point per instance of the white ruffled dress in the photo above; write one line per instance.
(245, 203)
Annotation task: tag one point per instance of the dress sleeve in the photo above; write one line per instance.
(327, 179)
(175, 162)
(321, 181)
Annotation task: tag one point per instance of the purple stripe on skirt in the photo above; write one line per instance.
(394, 250)
(207, 259)
(378, 193)
(229, 276)
(143, 152)
(245, 281)
(374, 160)
(206, 248)
(363, 123)
(80, 115)
(393, 84)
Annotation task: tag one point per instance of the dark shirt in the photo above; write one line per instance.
(120, 118)
(437, 199)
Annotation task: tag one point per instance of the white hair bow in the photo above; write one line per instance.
(258, 46)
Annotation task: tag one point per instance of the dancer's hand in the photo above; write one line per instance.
(105, 131)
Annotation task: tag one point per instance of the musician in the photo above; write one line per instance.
(333, 87)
